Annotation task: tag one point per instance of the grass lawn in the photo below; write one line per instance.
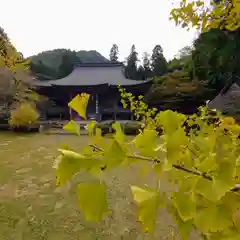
(31, 207)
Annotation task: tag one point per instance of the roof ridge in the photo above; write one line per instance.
(98, 64)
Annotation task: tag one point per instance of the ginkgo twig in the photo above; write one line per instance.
(176, 166)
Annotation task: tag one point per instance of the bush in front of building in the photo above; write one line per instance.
(128, 127)
(24, 117)
(132, 127)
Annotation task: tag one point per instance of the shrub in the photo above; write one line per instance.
(128, 127)
(24, 115)
(105, 126)
(132, 127)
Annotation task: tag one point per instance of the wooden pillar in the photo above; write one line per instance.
(97, 107)
(70, 110)
(115, 110)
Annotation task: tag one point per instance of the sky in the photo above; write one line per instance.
(35, 26)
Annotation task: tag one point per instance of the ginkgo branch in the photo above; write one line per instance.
(176, 166)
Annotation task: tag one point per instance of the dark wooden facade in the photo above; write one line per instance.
(101, 82)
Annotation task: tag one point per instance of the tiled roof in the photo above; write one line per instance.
(89, 74)
(227, 100)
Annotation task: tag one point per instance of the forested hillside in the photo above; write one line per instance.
(58, 63)
(53, 58)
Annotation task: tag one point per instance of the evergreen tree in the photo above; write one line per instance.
(146, 65)
(114, 53)
(158, 61)
(215, 57)
(141, 75)
(131, 70)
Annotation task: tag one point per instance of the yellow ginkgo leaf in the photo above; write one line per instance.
(185, 205)
(213, 219)
(146, 142)
(79, 104)
(70, 163)
(236, 219)
(92, 199)
(119, 134)
(140, 194)
(148, 202)
(72, 127)
(114, 154)
(90, 127)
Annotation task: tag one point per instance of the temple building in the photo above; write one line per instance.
(101, 81)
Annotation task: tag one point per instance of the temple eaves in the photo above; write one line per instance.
(94, 74)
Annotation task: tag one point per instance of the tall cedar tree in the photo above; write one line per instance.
(141, 73)
(144, 70)
(158, 61)
(147, 65)
(114, 53)
(131, 70)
